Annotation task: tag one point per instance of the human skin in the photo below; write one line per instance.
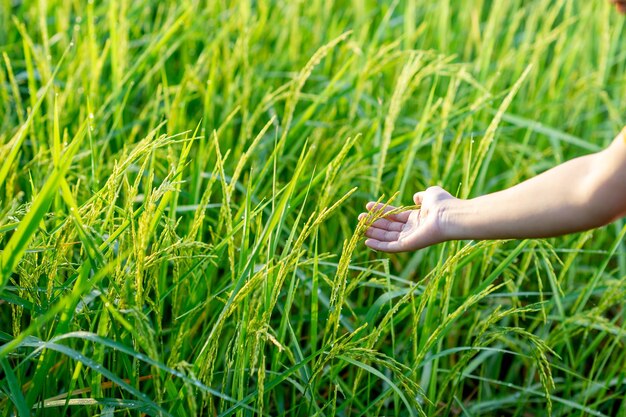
(580, 194)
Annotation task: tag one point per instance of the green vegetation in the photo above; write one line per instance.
(179, 188)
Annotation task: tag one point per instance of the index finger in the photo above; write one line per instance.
(399, 217)
(389, 247)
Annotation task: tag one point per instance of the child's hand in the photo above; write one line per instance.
(412, 229)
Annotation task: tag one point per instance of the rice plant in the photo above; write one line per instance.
(179, 191)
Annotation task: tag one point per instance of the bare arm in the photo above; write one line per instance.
(577, 195)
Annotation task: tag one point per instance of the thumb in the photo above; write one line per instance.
(418, 197)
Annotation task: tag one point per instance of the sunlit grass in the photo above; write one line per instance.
(180, 185)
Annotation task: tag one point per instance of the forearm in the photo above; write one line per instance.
(580, 194)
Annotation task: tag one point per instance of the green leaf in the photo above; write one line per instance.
(16, 246)
(17, 397)
(382, 376)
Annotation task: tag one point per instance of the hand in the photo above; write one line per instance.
(412, 229)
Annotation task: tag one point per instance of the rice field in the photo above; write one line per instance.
(179, 191)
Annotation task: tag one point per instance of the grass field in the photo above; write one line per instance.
(179, 190)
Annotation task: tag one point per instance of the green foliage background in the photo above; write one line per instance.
(179, 190)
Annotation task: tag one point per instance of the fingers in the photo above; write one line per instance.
(382, 235)
(398, 217)
(384, 223)
(391, 247)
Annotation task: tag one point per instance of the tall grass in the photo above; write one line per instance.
(179, 191)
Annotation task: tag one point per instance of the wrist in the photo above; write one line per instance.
(453, 214)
